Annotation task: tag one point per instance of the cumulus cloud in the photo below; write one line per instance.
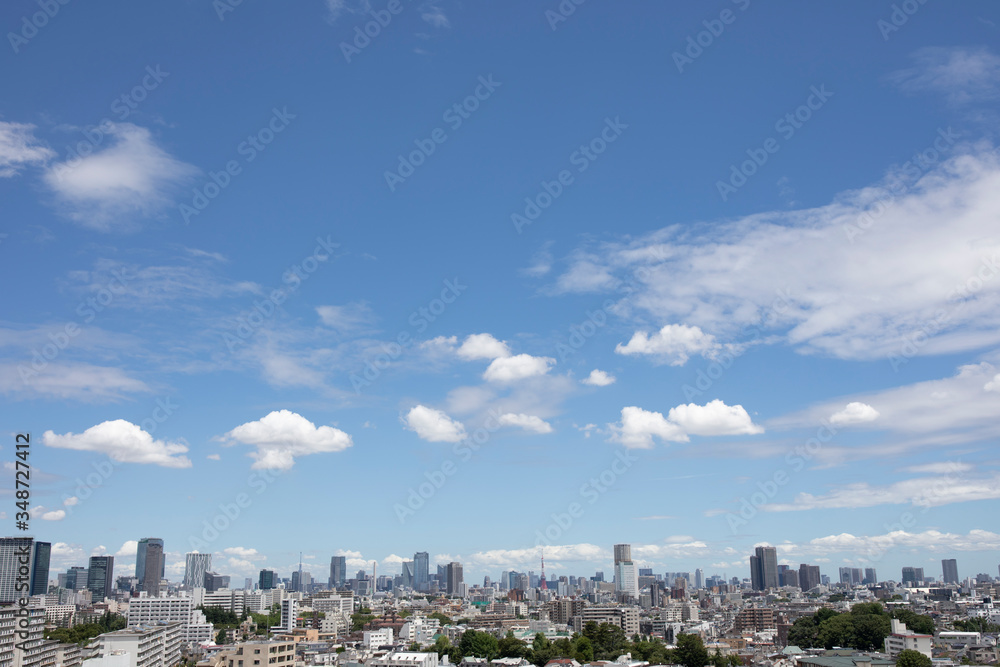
(638, 427)
(713, 418)
(434, 425)
(124, 442)
(599, 378)
(131, 176)
(20, 148)
(854, 413)
(994, 384)
(527, 422)
(872, 547)
(282, 435)
(128, 548)
(517, 367)
(482, 346)
(241, 552)
(672, 344)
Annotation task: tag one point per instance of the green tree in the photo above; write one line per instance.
(360, 618)
(690, 651)
(583, 650)
(441, 617)
(512, 647)
(220, 637)
(479, 644)
(804, 632)
(975, 625)
(909, 658)
(837, 631)
(923, 625)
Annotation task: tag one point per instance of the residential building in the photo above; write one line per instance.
(261, 654)
(627, 618)
(406, 659)
(147, 646)
(902, 639)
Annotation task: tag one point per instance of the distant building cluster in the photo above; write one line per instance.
(362, 619)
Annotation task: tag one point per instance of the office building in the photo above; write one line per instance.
(699, 579)
(76, 578)
(100, 577)
(870, 577)
(338, 572)
(15, 567)
(406, 578)
(949, 568)
(421, 573)
(150, 565)
(764, 568)
(626, 575)
(809, 577)
(40, 568)
(268, 580)
(195, 567)
(213, 581)
(453, 574)
(913, 576)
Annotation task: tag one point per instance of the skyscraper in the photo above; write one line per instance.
(870, 576)
(406, 578)
(100, 576)
(626, 577)
(150, 565)
(699, 579)
(76, 578)
(913, 576)
(421, 572)
(764, 568)
(268, 580)
(453, 574)
(949, 568)
(338, 572)
(15, 553)
(40, 568)
(195, 567)
(809, 576)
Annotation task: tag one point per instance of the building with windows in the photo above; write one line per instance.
(146, 646)
(902, 639)
(949, 569)
(338, 572)
(626, 574)
(764, 568)
(100, 577)
(261, 654)
(150, 565)
(195, 567)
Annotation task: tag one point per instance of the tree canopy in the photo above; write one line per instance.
(864, 628)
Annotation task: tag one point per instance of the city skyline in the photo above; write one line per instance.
(636, 281)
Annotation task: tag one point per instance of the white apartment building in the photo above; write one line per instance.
(377, 638)
(420, 629)
(627, 618)
(146, 646)
(406, 659)
(902, 639)
(261, 654)
(151, 611)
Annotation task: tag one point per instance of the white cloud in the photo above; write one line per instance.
(214, 457)
(128, 548)
(854, 413)
(849, 279)
(18, 148)
(54, 515)
(518, 367)
(434, 15)
(919, 492)
(962, 74)
(638, 427)
(434, 425)
(713, 418)
(131, 176)
(283, 435)
(71, 501)
(70, 380)
(672, 344)
(527, 422)
(348, 318)
(124, 442)
(940, 467)
(873, 547)
(994, 384)
(483, 346)
(599, 378)
(241, 552)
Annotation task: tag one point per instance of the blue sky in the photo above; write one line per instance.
(501, 276)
